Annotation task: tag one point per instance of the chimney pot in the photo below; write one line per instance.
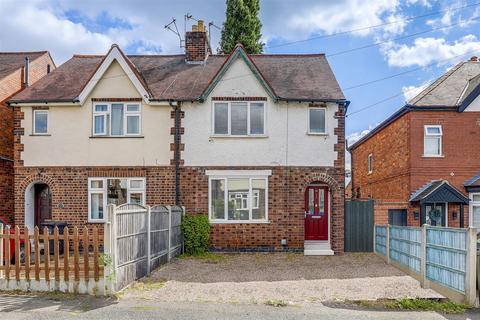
(474, 58)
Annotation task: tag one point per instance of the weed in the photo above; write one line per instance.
(276, 303)
(427, 305)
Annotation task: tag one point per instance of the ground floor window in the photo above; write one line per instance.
(238, 197)
(475, 210)
(105, 191)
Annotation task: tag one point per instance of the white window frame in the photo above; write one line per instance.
(104, 191)
(229, 124)
(34, 131)
(472, 204)
(237, 174)
(432, 135)
(108, 119)
(370, 163)
(309, 131)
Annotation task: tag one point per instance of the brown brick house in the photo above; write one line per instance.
(422, 163)
(223, 135)
(17, 71)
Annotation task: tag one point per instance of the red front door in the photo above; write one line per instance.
(316, 213)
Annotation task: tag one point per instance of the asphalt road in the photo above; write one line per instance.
(21, 307)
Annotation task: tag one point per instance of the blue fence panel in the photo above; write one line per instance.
(405, 246)
(447, 257)
(381, 240)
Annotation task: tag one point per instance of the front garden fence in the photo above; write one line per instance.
(443, 259)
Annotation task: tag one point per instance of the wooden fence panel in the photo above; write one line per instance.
(405, 246)
(443, 259)
(359, 225)
(159, 234)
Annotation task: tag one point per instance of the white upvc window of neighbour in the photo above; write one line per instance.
(116, 119)
(474, 210)
(370, 163)
(317, 123)
(238, 199)
(40, 122)
(432, 142)
(239, 118)
(118, 191)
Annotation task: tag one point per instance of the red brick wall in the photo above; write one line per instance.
(9, 86)
(69, 187)
(389, 180)
(286, 203)
(410, 171)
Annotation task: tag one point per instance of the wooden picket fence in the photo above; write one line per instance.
(77, 269)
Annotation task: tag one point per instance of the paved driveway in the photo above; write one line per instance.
(292, 278)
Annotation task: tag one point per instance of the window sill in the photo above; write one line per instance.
(116, 137)
(253, 136)
(239, 222)
(317, 134)
(40, 135)
(433, 156)
(97, 221)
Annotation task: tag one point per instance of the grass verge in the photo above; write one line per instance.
(427, 305)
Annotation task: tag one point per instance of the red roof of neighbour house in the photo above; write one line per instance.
(12, 61)
(168, 77)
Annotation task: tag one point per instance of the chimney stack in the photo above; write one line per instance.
(27, 71)
(474, 58)
(197, 47)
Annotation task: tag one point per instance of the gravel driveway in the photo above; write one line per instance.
(293, 278)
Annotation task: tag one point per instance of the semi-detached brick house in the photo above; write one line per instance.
(17, 71)
(421, 165)
(250, 140)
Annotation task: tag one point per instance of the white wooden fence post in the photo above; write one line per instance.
(387, 244)
(423, 258)
(1, 251)
(149, 241)
(471, 267)
(169, 256)
(110, 271)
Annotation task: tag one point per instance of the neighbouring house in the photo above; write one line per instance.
(254, 141)
(421, 165)
(18, 70)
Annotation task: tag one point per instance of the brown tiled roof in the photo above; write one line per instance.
(12, 61)
(168, 77)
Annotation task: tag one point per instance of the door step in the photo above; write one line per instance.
(317, 248)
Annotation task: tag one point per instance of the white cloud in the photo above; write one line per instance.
(425, 51)
(336, 16)
(410, 92)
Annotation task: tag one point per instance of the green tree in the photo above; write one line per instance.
(242, 25)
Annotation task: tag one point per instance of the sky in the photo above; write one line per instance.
(420, 39)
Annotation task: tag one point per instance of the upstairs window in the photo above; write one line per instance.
(432, 142)
(239, 118)
(40, 122)
(370, 163)
(475, 210)
(316, 120)
(116, 119)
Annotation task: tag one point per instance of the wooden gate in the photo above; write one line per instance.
(359, 225)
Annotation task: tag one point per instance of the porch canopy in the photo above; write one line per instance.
(439, 191)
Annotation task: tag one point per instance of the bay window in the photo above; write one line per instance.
(235, 197)
(432, 141)
(118, 191)
(239, 118)
(116, 119)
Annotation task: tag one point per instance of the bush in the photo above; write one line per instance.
(196, 233)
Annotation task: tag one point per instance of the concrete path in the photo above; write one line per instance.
(21, 307)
